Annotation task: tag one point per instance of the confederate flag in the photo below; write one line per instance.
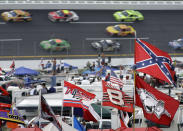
(157, 106)
(153, 61)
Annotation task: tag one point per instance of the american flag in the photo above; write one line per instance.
(153, 61)
(114, 79)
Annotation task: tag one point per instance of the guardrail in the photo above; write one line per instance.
(86, 5)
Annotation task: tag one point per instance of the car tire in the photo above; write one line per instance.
(122, 20)
(10, 20)
(26, 20)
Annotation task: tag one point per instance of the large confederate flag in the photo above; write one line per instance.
(153, 61)
(157, 106)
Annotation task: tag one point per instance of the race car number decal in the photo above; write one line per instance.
(115, 97)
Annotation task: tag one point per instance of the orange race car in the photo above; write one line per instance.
(16, 15)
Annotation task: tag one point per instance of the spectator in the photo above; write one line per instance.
(53, 80)
(93, 66)
(86, 76)
(107, 78)
(54, 61)
(33, 91)
(44, 89)
(121, 72)
(52, 90)
(42, 64)
(103, 59)
(109, 60)
(48, 65)
(98, 60)
(88, 64)
(62, 65)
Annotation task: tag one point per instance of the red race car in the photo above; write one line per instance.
(63, 15)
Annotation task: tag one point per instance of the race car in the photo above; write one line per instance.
(55, 45)
(176, 44)
(120, 30)
(106, 45)
(63, 15)
(16, 15)
(128, 15)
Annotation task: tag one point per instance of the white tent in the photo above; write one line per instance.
(66, 127)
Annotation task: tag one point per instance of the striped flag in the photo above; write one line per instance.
(114, 79)
(116, 98)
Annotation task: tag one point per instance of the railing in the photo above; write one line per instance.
(90, 4)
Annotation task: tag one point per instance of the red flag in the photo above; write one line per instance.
(157, 106)
(150, 60)
(12, 65)
(74, 96)
(3, 91)
(116, 98)
(48, 114)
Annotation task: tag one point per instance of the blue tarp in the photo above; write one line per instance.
(25, 71)
(97, 69)
(68, 65)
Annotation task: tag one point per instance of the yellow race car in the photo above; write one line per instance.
(16, 15)
(120, 30)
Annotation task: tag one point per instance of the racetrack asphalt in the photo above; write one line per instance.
(21, 40)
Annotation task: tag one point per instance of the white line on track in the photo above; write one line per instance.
(116, 38)
(100, 22)
(10, 40)
(2, 23)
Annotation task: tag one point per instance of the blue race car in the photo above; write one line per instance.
(176, 44)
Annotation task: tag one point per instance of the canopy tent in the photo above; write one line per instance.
(26, 129)
(66, 65)
(66, 127)
(25, 71)
(98, 69)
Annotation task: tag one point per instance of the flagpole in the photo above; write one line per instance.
(134, 102)
(62, 106)
(101, 113)
(39, 109)
(72, 117)
(134, 92)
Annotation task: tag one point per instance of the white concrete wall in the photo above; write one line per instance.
(139, 5)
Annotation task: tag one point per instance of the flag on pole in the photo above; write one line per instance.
(12, 116)
(114, 79)
(74, 96)
(157, 106)
(153, 61)
(124, 119)
(12, 66)
(77, 125)
(116, 98)
(48, 114)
